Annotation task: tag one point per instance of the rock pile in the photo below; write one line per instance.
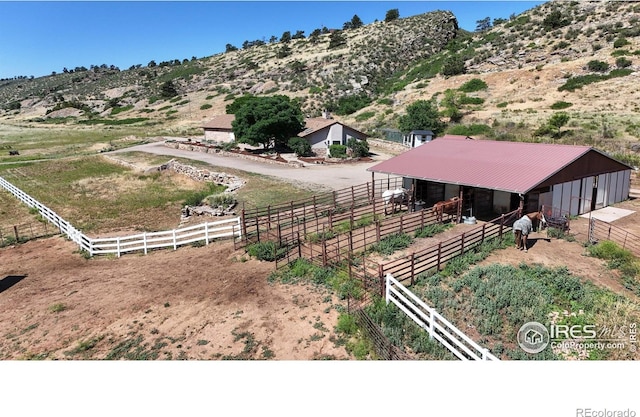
(231, 181)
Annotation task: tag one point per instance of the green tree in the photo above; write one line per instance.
(239, 102)
(421, 115)
(483, 25)
(392, 14)
(337, 39)
(230, 48)
(453, 65)
(298, 35)
(359, 148)
(554, 20)
(286, 37)
(300, 146)
(267, 120)
(451, 104)
(557, 121)
(356, 22)
(168, 89)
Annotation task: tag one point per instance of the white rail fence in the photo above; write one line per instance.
(431, 321)
(206, 232)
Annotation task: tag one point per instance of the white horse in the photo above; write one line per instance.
(394, 197)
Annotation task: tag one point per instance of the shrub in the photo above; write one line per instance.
(454, 65)
(469, 130)
(221, 200)
(620, 42)
(266, 251)
(365, 116)
(470, 100)
(300, 146)
(338, 151)
(347, 324)
(472, 85)
(205, 106)
(623, 62)
(597, 66)
(392, 243)
(359, 148)
(559, 105)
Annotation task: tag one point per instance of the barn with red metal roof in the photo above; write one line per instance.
(493, 175)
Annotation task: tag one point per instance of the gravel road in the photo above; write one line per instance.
(325, 176)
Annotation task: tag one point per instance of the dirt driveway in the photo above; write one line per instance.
(331, 176)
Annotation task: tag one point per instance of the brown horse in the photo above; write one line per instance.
(449, 207)
(524, 226)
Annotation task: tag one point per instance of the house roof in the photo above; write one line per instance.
(312, 125)
(316, 124)
(220, 122)
(516, 167)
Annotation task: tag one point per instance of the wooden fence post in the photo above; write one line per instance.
(381, 277)
(483, 227)
(462, 245)
(378, 231)
(299, 246)
(401, 225)
(413, 265)
(439, 255)
(15, 232)
(501, 226)
(243, 227)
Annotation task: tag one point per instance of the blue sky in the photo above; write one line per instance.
(37, 38)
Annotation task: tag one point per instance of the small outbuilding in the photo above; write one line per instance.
(494, 176)
(219, 128)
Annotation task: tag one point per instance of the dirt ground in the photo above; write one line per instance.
(194, 303)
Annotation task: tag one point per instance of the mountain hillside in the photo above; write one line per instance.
(578, 58)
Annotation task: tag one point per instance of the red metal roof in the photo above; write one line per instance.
(516, 167)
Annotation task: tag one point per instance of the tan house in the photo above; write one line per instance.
(219, 128)
(320, 132)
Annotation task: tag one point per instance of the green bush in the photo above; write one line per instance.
(359, 148)
(205, 106)
(347, 324)
(623, 62)
(300, 146)
(470, 100)
(432, 230)
(221, 200)
(472, 85)
(338, 151)
(597, 66)
(620, 42)
(559, 105)
(350, 104)
(469, 130)
(365, 116)
(392, 243)
(266, 251)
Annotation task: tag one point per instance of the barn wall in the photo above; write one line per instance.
(501, 201)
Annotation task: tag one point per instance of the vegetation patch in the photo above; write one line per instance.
(392, 243)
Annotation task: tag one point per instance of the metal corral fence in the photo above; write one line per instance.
(205, 232)
(330, 246)
(439, 328)
(601, 230)
(406, 269)
(313, 214)
(24, 232)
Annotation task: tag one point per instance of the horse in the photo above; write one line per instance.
(524, 226)
(449, 207)
(394, 197)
